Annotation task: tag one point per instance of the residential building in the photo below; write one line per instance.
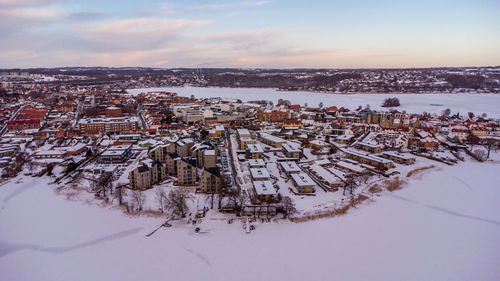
(187, 172)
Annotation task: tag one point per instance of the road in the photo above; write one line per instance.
(144, 124)
(79, 109)
(2, 131)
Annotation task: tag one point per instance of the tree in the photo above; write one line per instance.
(103, 183)
(367, 107)
(471, 115)
(488, 144)
(305, 104)
(351, 183)
(120, 193)
(480, 155)
(288, 206)
(203, 134)
(321, 105)
(138, 198)
(161, 198)
(364, 177)
(177, 201)
(237, 198)
(391, 102)
(484, 115)
(472, 140)
(447, 112)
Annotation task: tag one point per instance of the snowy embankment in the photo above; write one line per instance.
(444, 225)
(413, 103)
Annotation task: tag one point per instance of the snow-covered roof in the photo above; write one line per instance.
(255, 148)
(290, 148)
(259, 173)
(256, 162)
(264, 188)
(302, 179)
(290, 167)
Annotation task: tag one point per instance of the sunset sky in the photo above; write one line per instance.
(252, 33)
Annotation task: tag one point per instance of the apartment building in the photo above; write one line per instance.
(187, 172)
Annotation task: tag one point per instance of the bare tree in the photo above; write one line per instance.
(488, 144)
(288, 206)
(104, 183)
(237, 198)
(472, 140)
(120, 193)
(161, 198)
(364, 177)
(177, 201)
(351, 183)
(139, 199)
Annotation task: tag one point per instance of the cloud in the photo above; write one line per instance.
(243, 4)
(41, 13)
(84, 16)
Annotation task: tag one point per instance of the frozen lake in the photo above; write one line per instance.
(444, 226)
(415, 103)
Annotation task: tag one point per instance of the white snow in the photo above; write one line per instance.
(413, 103)
(442, 226)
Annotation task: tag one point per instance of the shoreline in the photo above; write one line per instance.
(318, 92)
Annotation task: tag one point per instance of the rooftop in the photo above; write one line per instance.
(264, 188)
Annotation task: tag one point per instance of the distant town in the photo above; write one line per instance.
(163, 154)
(426, 80)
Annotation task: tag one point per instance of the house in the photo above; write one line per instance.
(401, 158)
(115, 154)
(350, 168)
(244, 142)
(264, 191)
(291, 151)
(243, 133)
(21, 125)
(259, 174)
(171, 163)
(344, 139)
(49, 154)
(256, 163)
(187, 172)
(290, 167)
(216, 132)
(140, 177)
(158, 171)
(182, 147)
(366, 158)
(318, 144)
(274, 116)
(271, 140)
(368, 147)
(209, 158)
(303, 183)
(254, 151)
(210, 180)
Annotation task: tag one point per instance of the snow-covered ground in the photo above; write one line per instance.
(414, 103)
(445, 225)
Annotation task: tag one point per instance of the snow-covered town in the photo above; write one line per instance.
(249, 161)
(249, 140)
(223, 167)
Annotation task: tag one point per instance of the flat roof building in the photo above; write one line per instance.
(303, 183)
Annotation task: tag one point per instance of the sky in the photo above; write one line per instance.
(249, 33)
